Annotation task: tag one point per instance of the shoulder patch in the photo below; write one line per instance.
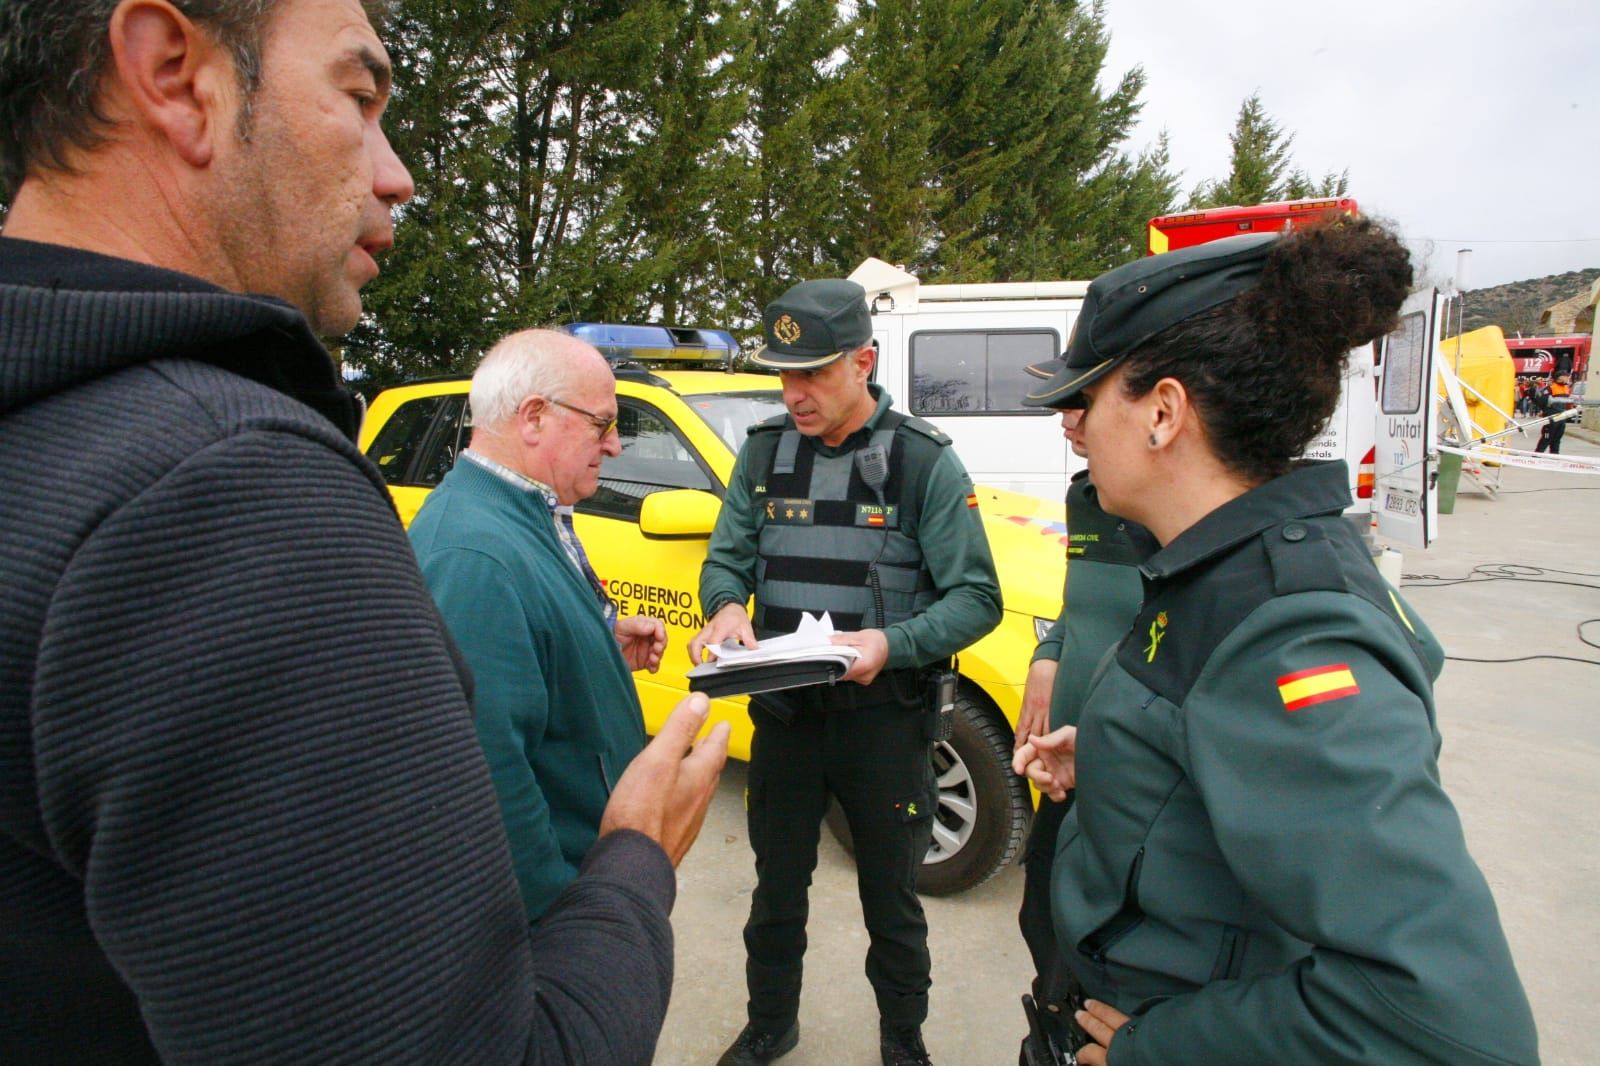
(1318, 684)
(927, 429)
(768, 424)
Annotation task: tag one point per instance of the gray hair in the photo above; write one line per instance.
(54, 53)
(531, 361)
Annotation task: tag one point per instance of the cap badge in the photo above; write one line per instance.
(786, 329)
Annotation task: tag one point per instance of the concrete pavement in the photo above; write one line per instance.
(1521, 760)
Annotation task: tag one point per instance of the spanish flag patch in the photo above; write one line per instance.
(1305, 688)
(972, 499)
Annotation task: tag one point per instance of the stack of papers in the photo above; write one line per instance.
(804, 657)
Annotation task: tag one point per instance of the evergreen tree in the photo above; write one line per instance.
(1260, 170)
(798, 138)
(1258, 164)
(892, 173)
(1301, 186)
(1010, 164)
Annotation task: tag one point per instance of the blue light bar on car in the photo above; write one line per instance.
(656, 344)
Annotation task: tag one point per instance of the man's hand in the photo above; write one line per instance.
(1034, 718)
(1050, 762)
(874, 649)
(642, 640)
(665, 791)
(1101, 1021)
(731, 621)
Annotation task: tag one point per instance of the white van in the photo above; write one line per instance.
(957, 356)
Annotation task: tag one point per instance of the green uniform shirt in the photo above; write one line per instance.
(1261, 865)
(949, 532)
(1103, 590)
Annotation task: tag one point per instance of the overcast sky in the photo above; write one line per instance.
(1469, 124)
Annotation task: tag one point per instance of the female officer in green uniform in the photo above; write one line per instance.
(1261, 865)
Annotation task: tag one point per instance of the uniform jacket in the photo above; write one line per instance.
(1103, 590)
(244, 816)
(554, 703)
(946, 528)
(1262, 865)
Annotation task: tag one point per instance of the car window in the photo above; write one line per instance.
(976, 372)
(418, 444)
(730, 414)
(654, 458)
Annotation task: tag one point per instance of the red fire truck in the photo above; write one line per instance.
(1549, 356)
(1171, 232)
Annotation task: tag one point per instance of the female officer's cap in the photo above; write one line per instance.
(1127, 306)
(813, 324)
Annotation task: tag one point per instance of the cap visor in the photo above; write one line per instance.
(1045, 370)
(1066, 382)
(778, 361)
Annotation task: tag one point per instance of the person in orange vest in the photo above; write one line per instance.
(1559, 401)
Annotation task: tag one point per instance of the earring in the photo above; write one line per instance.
(1153, 442)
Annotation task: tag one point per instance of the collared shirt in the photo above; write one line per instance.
(561, 514)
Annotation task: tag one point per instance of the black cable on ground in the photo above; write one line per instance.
(1513, 572)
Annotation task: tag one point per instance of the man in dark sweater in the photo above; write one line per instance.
(243, 812)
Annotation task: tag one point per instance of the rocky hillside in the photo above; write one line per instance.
(1515, 306)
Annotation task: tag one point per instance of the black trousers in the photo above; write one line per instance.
(874, 756)
(1038, 928)
(1550, 437)
(1054, 987)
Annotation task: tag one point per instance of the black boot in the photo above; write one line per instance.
(901, 1045)
(757, 1047)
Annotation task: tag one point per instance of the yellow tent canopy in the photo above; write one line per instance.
(1483, 363)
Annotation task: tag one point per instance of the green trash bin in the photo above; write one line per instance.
(1449, 481)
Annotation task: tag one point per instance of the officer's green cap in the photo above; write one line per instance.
(813, 324)
(1127, 306)
(1047, 370)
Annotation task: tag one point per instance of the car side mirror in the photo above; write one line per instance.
(678, 514)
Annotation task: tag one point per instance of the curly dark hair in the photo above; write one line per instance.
(1265, 369)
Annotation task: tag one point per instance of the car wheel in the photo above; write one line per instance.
(983, 808)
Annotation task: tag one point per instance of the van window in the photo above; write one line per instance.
(1403, 365)
(977, 372)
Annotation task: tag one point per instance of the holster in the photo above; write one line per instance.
(1039, 1047)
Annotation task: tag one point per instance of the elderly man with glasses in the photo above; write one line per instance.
(554, 701)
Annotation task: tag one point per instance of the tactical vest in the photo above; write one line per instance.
(823, 530)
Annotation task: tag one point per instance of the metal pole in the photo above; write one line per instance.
(1463, 264)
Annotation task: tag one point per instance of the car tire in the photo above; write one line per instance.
(984, 808)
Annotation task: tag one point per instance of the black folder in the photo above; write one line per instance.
(715, 680)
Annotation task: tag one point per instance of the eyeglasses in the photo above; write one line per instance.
(602, 425)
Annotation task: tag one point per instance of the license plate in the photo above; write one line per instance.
(1405, 504)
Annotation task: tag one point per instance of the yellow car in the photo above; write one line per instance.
(645, 532)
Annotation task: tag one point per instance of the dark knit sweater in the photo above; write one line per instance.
(243, 813)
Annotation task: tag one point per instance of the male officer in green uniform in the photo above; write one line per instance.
(844, 506)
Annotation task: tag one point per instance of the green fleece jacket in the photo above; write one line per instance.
(554, 704)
